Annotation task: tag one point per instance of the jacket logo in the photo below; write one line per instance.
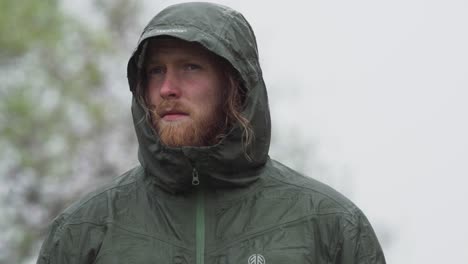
(171, 30)
(256, 259)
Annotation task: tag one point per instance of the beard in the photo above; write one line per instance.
(200, 128)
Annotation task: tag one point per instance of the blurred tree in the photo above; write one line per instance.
(60, 118)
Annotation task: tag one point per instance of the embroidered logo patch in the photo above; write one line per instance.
(256, 259)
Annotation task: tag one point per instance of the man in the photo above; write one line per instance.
(206, 190)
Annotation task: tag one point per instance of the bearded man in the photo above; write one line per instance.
(206, 190)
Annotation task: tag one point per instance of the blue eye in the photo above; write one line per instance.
(155, 71)
(192, 67)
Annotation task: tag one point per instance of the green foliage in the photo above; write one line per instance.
(26, 24)
(55, 112)
(55, 74)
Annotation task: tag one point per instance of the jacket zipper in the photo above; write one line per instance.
(200, 220)
(195, 179)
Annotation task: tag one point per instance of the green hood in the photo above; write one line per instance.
(226, 33)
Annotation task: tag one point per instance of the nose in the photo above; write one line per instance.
(170, 86)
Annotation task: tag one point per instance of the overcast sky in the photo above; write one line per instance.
(380, 90)
(383, 87)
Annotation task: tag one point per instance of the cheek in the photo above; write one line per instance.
(205, 91)
(153, 95)
(214, 96)
(217, 86)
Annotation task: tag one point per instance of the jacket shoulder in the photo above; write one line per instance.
(93, 207)
(80, 228)
(334, 216)
(324, 198)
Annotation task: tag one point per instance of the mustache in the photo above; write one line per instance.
(169, 106)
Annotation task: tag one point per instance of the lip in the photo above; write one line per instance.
(173, 116)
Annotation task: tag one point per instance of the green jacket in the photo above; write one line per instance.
(243, 211)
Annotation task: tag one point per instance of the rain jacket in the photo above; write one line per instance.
(242, 211)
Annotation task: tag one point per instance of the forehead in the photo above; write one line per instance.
(177, 47)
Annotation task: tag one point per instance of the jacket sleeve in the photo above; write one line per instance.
(359, 244)
(75, 243)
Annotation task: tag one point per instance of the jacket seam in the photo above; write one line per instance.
(66, 217)
(348, 210)
(271, 228)
(130, 231)
(69, 215)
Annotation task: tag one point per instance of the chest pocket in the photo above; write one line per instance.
(269, 257)
(286, 244)
(129, 248)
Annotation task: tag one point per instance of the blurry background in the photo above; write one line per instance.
(369, 97)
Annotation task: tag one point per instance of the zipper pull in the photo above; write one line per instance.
(195, 180)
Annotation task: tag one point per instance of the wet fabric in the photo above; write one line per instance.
(245, 210)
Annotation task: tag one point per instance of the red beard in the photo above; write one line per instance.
(198, 129)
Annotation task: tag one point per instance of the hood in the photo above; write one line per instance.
(226, 33)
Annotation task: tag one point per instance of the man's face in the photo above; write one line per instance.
(185, 84)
